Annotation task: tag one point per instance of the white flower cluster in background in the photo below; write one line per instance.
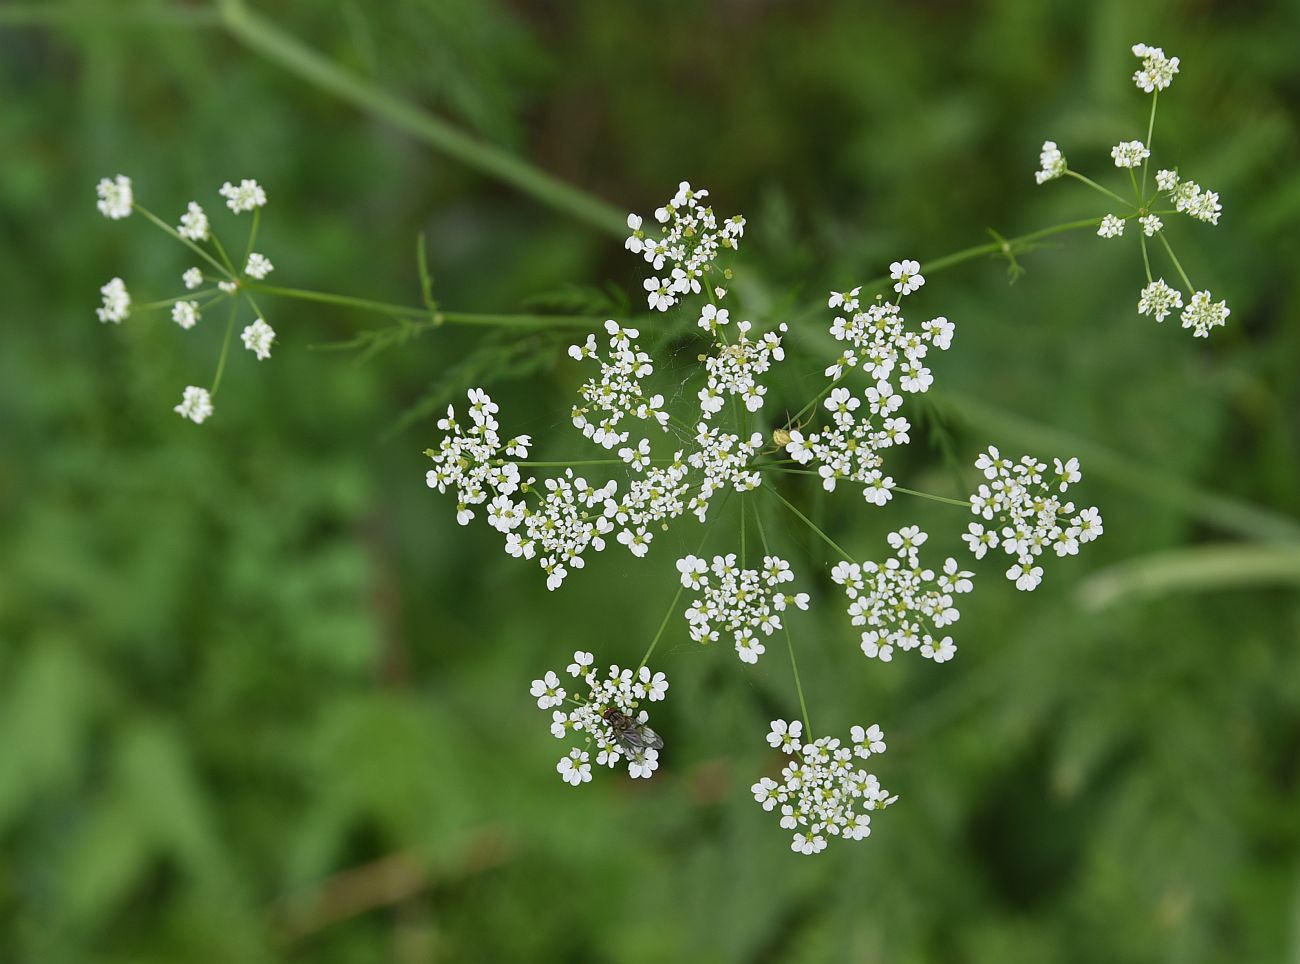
(117, 200)
(901, 603)
(823, 792)
(690, 243)
(743, 604)
(116, 197)
(1157, 70)
(1051, 163)
(116, 302)
(1029, 516)
(608, 718)
(1157, 299)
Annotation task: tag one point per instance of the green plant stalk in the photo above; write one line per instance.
(262, 36)
(1096, 187)
(809, 523)
(1195, 569)
(225, 348)
(539, 322)
(1191, 288)
(789, 640)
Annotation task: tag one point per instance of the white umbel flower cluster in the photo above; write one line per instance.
(1129, 154)
(879, 341)
(115, 197)
(619, 391)
(1030, 518)
(258, 338)
(609, 718)
(186, 314)
(116, 302)
(1157, 70)
(247, 196)
(1159, 300)
(1111, 226)
(902, 603)
(1203, 313)
(258, 266)
(691, 243)
(1051, 163)
(194, 223)
(196, 404)
(823, 792)
(849, 450)
(734, 371)
(1189, 198)
(744, 604)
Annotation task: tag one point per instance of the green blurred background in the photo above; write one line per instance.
(262, 700)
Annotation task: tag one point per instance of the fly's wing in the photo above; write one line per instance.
(649, 738)
(638, 736)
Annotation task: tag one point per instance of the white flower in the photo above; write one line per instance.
(1031, 516)
(1051, 163)
(691, 243)
(115, 197)
(608, 716)
(548, 691)
(116, 302)
(744, 604)
(258, 266)
(1202, 314)
(1166, 180)
(1157, 71)
(247, 196)
(1191, 200)
(1111, 227)
(907, 276)
(581, 664)
(229, 287)
(1129, 153)
(900, 601)
(192, 278)
(194, 223)
(575, 768)
(258, 338)
(1151, 224)
(196, 404)
(822, 792)
(1159, 299)
(185, 313)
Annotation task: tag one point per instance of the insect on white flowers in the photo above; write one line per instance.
(609, 718)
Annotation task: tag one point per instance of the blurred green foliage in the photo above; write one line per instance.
(262, 700)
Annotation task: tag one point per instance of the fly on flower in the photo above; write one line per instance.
(632, 735)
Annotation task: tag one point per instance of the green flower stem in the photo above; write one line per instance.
(536, 322)
(221, 250)
(291, 54)
(789, 640)
(964, 503)
(1151, 127)
(1095, 186)
(809, 523)
(1191, 288)
(168, 302)
(1146, 258)
(159, 222)
(252, 233)
(225, 348)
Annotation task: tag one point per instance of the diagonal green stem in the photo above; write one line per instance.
(159, 222)
(809, 523)
(1191, 288)
(1096, 187)
(286, 51)
(225, 347)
